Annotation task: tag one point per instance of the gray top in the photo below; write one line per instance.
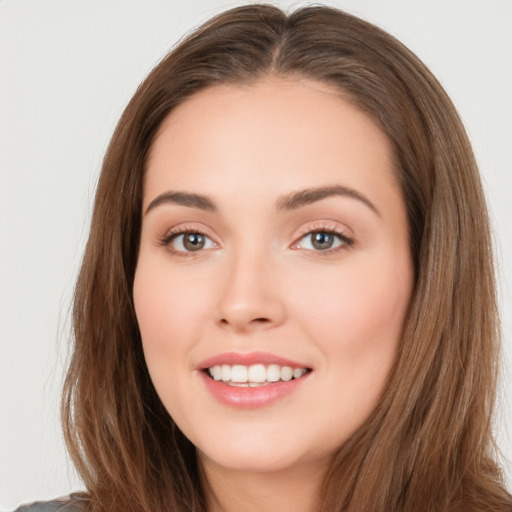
(73, 503)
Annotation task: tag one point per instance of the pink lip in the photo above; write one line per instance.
(251, 398)
(246, 397)
(247, 359)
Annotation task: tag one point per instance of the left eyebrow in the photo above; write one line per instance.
(311, 195)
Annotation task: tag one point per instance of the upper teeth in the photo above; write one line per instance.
(256, 374)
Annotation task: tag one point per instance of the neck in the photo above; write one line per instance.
(295, 489)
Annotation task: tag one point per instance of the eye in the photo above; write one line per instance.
(323, 241)
(188, 241)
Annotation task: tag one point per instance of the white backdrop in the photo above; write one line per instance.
(67, 69)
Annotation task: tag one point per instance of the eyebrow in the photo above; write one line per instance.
(288, 202)
(183, 199)
(311, 195)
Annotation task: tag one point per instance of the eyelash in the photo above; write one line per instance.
(173, 234)
(346, 242)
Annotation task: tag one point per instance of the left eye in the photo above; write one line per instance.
(190, 242)
(321, 241)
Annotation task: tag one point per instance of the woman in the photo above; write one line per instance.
(282, 304)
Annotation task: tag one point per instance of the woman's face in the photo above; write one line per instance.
(274, 272)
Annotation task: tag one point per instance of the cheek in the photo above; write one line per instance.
(166, 308)
(357, 324)
(355, 315)
(167, 304)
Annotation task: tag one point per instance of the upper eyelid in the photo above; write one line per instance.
(324, 225)
(188, 228)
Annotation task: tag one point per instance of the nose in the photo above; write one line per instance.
(250, 298)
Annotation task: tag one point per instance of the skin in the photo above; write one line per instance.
(260, 284)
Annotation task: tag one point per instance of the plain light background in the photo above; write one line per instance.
(67, 70)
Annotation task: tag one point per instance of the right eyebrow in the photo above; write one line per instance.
(183, 199)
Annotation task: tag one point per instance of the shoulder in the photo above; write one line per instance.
(72, 503)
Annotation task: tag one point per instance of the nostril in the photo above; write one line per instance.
(261, 320)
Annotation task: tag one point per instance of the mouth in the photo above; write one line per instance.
(252, 380)
(255, 375)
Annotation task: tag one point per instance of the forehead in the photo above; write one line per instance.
(266, 138)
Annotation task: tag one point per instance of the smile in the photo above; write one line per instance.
(255, 375)
(252, 380)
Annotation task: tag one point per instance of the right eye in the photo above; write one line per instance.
(188, 241)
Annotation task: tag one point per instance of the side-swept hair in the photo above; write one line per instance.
(428, 446)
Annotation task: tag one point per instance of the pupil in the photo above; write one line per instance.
(193, 241)
(322, 240)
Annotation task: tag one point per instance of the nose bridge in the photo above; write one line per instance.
(250, 296)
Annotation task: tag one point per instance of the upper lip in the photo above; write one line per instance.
(248, 359)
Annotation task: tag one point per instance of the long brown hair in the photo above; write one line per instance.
(428, 446)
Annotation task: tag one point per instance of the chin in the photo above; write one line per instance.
(249, 461)
(260, 452)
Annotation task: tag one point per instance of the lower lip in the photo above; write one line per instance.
(251, 398)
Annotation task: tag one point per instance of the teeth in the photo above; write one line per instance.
(286, 373)
(238, 373)
(225, 372)
(298, 373)
(273, 373)
(255, 375)
(216, 372)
